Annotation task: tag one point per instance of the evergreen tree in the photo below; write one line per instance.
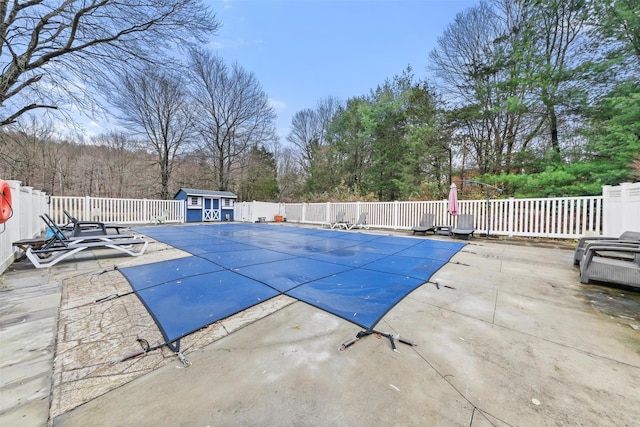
(261, 178)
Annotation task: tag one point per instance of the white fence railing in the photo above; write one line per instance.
(252, 211)
(27, 205)
(567, 217)
(124, 211)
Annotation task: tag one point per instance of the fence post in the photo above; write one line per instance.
(395, 214)
(327, 216)
(54, 206)
(304, 212)
(599, 212)
(86, 212)
(621, 208)
(35, 206)
(14, 225)
(610, 215)
(511, 216)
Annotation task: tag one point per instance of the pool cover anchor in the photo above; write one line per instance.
(176, 349)
(146, 348)
(371, 331)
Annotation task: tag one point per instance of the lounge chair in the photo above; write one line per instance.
(427, 223)
(160, 219)
(360, 223)
(616, 264)
(464, 226)
(88, 228)
(340, 221)
(626, 237)
(61, 245)
(83, 228)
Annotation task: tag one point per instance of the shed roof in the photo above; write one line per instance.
(196, 192)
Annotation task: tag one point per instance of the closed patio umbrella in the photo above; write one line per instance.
(453, 200)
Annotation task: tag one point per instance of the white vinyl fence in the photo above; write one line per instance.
(27, 204)
(124, 211)
(562, 217)
(567, 217)
(621, 206)
(253, 211)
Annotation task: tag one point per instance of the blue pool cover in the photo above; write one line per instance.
(356, 276)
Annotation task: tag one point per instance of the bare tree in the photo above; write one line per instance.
(156, 108)
(556, 28)
(34, 156)
(52, 51)
(23, 150)
(118, 161)
(234, 113)
(305, 136)
(326, 110)
(480, 62)
(290, 175)
(464, 63)
(310, 129)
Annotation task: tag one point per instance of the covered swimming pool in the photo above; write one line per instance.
(356, 276)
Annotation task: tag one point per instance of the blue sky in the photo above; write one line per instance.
(302, 51)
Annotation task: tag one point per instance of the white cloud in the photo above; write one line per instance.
(233, 44)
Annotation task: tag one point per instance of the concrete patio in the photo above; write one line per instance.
(506, 336)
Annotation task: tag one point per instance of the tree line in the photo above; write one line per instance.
(538, 97)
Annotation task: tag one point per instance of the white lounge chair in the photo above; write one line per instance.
(360, 223)
(340, 221)
(60, 246)
(160, 219)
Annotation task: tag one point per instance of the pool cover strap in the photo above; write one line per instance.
(146, 348)
(371, 331)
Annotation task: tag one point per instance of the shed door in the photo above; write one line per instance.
(210, 212)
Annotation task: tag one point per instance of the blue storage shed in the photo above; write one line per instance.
(207, 205)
